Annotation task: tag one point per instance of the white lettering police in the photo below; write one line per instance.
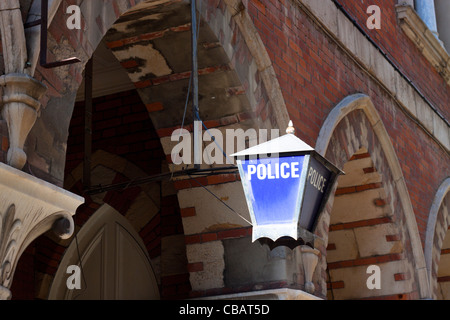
(316, 179)
(283, 170)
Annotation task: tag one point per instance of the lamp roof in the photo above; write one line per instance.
(288, 143)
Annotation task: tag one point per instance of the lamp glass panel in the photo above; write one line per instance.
(273, 188)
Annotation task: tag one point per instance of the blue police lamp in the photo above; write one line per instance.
(286, 185)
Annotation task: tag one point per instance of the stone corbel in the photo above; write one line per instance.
(310, 258)
(29, 207)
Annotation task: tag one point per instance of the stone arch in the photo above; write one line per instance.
(251, 76)
(354, 124)
(106, 237)
(441, 279)
(153, 213)
(240, 36)
(436, 239)
(245, 70)
(363, 232)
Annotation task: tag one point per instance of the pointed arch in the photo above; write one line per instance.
(108, 243)
(375, 138)
(229, 21)
(243, 73)
(437, 226)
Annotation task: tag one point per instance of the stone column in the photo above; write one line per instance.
(443, 21)
(426, 11)
(29, 206)
(21, 93)
(13, 37)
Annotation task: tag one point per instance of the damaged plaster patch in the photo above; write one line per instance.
(146, 5)
(153, 61)
(124, 27)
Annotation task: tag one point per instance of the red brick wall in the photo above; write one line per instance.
(172, 286)
(315, 75)
(403, 51)
(121, 126)
(23, 284)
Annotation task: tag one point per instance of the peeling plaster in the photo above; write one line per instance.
(154, 62)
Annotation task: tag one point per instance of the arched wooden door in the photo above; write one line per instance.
(115, 263)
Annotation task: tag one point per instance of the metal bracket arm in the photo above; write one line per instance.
(43, 22)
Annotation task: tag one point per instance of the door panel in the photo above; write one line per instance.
(93, 270)
(115, 262)
(132, 268)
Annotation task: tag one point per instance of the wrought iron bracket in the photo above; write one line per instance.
(161, 177)
(43, 22)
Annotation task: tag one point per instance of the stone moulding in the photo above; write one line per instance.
(341, 30)
(28, 208)
(271, 294)
(424, 39)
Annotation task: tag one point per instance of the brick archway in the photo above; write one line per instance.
(354, 124)
(152, 210)
(240, 73)
(251, 77)
(436, 241)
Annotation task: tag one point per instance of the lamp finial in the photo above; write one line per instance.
(290, 129)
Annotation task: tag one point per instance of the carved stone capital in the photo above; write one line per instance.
(310, 258)
(20, 107)
(28, 208)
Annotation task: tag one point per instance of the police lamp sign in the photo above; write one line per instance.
(273, 188)
(317, 180)
(285, 193)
